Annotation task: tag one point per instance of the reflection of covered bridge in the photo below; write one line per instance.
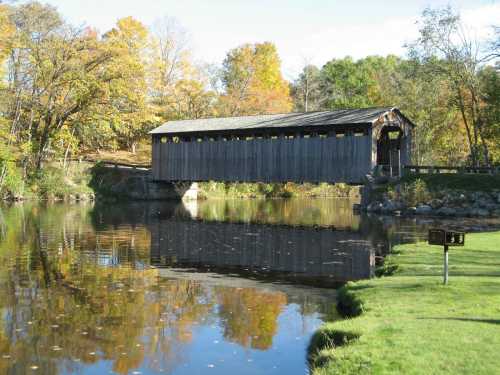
(338, 146)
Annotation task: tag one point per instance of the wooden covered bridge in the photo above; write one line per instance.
(336, 146)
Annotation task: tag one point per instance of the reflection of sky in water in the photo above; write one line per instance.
(210, 352)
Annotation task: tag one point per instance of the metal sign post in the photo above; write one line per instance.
(446, 238)
(445, 280)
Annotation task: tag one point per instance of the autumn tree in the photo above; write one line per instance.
(128, 111)
(489, 78)
(6, 139)
(253, 82)
(56, 73)
(445, 48)
(438, 137)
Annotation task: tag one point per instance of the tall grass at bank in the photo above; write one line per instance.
(409, 323)
(214, 189)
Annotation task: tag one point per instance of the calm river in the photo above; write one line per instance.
(219, 287)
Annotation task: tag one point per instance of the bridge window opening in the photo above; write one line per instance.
(163, 139)
(274, 137)
(340, 134)
(250, 138)
(307, 135)
(359, 133)
(176, 139)
(211, 139)
(199, 139)
(323, 135)
(290, 136)
(393, 135)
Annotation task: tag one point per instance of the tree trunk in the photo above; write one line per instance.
(472, 145)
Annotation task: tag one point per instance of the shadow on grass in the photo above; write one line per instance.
(475, 320)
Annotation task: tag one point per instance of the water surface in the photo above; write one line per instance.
(147, 288)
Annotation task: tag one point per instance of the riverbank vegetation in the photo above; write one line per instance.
(68, 92)
(439, 195)
(275, 190)
(410, 323)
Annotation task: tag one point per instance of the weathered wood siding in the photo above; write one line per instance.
(315, 159)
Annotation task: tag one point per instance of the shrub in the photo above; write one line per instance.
(12, 179)
(412, 193)
(348, 304)
(50, 183)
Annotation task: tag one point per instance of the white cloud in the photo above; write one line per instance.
(479, 21)
(357, 41)
(381, 37)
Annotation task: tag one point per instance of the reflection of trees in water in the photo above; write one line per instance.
(250, 316)
(71, 296)
(308, 212)
(65, 302)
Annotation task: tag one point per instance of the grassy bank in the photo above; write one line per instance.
(409, 323)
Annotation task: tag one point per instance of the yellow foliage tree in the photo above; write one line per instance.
(130, 114)
(253, 81)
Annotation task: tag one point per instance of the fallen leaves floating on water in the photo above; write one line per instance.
(6, 356)
(34, 367)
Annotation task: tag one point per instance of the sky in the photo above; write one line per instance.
(304, 31)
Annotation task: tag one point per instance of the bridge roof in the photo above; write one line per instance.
(287, 120)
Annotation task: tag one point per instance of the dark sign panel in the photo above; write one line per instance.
(436, 236)
(446, 237)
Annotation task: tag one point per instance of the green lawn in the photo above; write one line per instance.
(412, 324)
